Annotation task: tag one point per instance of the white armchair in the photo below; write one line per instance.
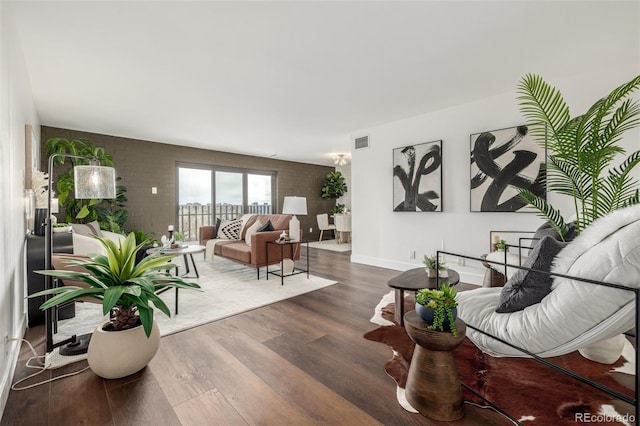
(324, 225)
(84, 241)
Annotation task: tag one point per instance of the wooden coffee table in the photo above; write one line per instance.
(414, 280)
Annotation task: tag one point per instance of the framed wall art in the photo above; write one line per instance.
(502, 163)
(417, 178)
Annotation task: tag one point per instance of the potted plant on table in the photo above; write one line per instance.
(128, 291)
(438, 307)
(434, 267)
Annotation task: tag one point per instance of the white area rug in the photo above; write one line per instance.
(330, 245)
(228, 288)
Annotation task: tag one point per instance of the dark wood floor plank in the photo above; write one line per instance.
(256, 402)
(65, 393)
(141, 402)
(209, 408)
(318, 401)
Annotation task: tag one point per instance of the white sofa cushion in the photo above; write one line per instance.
(575, 314)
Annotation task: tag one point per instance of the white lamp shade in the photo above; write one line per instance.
(294, 205)
(94, 182)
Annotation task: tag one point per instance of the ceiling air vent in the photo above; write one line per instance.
(362, 142)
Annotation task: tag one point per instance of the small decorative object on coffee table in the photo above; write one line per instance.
(433, 385)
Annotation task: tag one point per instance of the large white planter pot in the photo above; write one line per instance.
(115, 354)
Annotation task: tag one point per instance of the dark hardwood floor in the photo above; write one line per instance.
(300, 361)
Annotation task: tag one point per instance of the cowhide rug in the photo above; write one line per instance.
(529, 391)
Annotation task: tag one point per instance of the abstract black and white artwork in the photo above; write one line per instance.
(417, 178)
(503, 162)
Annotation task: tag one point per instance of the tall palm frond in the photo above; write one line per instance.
(582, 149)
(546, 211)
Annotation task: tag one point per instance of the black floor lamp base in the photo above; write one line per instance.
(79, 346)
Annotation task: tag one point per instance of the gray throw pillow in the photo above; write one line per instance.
(89, 229)
(526, 288)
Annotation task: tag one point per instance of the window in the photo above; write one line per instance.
(206, 193)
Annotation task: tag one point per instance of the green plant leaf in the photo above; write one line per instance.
(546, 211)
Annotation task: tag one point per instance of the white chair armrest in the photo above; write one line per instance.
(86, 245)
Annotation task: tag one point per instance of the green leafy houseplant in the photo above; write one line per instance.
(126, 289)
(111, 214)
(334, 186)
(442, 302)
(502, 245)
(582, 151)
(431, 262)
(339, 208)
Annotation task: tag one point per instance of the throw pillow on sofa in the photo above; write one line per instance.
(230, 229)
(526, 288)
(267, 227)
(252, 230)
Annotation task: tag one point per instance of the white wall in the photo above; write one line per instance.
(385, 238)
(16, 110)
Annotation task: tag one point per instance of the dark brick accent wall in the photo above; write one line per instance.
(143, 164)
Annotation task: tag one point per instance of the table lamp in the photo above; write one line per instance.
(294, 206)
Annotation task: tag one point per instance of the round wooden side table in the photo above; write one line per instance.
(433, 385)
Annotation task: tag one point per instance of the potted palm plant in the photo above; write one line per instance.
(438, 307)
(128, 291)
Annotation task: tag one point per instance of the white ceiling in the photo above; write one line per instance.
(295, 79)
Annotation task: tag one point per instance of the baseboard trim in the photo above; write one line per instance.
(468, 274)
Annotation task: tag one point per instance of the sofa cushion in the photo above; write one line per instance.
(238, 251)
(252, 230)
(526, 288)
(88, 229)
(230, 229)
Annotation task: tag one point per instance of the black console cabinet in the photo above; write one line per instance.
(62, 243)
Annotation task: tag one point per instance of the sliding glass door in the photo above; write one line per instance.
(206, 193)
(195, 200)
(229, 194)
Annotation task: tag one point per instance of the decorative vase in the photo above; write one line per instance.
(431, 273)
(115, 354)
(427, 314)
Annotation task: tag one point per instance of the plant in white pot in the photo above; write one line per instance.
(128, 291)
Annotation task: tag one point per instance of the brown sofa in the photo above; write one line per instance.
(256, 254)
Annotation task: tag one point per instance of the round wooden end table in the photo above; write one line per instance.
(433, 385)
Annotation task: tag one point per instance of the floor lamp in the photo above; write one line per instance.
(90, 182)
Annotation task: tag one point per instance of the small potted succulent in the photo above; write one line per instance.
(502, 245)
(438, 307)
(433, 267)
